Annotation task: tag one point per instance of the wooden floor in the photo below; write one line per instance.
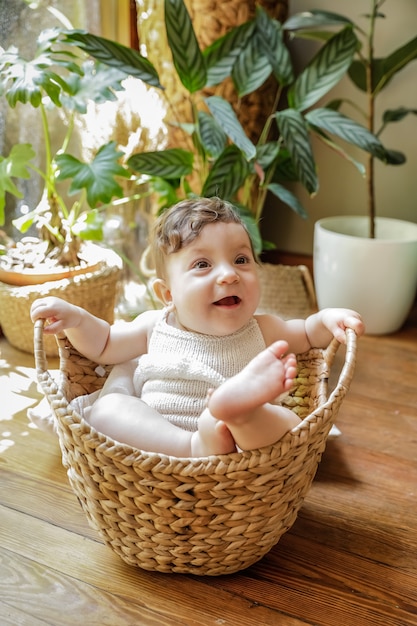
(349, 560)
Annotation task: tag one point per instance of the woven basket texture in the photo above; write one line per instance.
(205, 516)
(289, 285)
(95, 291)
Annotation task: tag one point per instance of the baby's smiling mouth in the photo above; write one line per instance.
(228, 301)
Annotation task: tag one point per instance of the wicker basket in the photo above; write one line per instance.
(210, 516)
(289, 285)
(95, 291)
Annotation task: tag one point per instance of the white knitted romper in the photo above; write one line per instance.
(181, 366)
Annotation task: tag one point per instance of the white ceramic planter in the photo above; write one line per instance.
(376, 277)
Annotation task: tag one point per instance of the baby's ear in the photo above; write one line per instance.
(162, 291)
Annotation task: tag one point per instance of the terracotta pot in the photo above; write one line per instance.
(92, 257)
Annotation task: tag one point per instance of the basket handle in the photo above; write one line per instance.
(346, 373)
(41, 361)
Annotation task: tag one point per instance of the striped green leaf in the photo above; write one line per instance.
(288, 198)
(271, 41)
(325, 70)
(212, 136)
(227, 174)
(222, 54)
(115, 55)
(171, 163)
(226, 117)
(188, 58)
(347, 129)
(295, 133)
(251, 68)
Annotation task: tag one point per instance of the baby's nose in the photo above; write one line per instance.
(227, 274)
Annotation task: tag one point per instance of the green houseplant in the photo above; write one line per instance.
(367, 262)
(57, 263)
(57, 77)
(222, 159)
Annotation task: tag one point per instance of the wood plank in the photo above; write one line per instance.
(84, 560)
(44, 594)
(46, 501)
(350, 558)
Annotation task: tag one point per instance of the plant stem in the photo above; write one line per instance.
(48, 154)
(371, 119)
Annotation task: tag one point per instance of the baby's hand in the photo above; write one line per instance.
(58, 314)
(337, 320)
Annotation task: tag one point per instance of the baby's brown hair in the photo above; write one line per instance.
(179, 225)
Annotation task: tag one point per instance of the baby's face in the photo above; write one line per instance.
(213, 282)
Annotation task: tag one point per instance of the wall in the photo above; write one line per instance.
(342, 189)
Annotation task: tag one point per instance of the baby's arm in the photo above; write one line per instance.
(327, 323)
(316, 331)
(91, 336)
(87, 333)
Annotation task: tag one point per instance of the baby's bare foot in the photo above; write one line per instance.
(266, 377)
(212, 437)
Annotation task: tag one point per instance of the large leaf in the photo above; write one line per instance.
(212, 136)
(287, 198)
(14, 165)
(25, 80)
(114, 54)
(221, 54)
(295, 133)
(271, 40)
(383, 69)
(251, 68)
(97, 177)
(267, 153)
(226, 117)
(324, 71)
(227, 174)
(171, 163)
(347, 129)
(187, 56)
(98, 84)
(395, 62)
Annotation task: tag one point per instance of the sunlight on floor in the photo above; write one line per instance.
(18, 392)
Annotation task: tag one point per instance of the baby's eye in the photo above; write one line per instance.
(201, 264)
(241, 260)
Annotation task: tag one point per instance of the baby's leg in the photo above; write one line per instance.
(243, 401)
(129, 420)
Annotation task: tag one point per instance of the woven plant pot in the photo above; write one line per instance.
(94, 290)
(205, 516)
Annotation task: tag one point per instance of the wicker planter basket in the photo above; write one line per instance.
(95, 291)
(210, 516)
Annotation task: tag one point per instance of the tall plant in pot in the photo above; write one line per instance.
(221, 158)
(367, 262)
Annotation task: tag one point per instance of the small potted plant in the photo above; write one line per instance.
(367, 262)
(57, 77)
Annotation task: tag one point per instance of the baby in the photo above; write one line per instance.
(209, 369)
